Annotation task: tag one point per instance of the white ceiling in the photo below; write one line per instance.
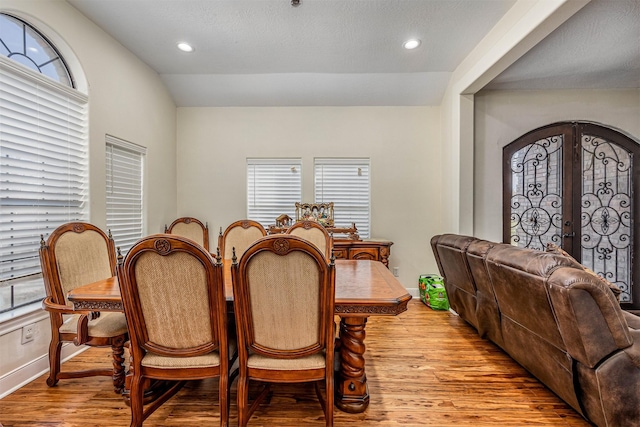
(598, 47)
(349, 52)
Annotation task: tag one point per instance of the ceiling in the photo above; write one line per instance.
(349, 52)
(598, 47)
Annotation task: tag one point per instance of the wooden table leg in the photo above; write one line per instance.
(117, 350)
(352, 393)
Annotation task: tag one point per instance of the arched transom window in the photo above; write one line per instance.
(25, 45)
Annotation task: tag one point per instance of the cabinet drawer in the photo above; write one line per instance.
(340, 253)
(364, 253)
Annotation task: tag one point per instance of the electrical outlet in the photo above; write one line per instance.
(28, 333)
(396, 271)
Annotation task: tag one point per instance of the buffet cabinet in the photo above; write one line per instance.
(377, 250)
(351, 247)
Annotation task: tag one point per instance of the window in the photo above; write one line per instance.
(346, 183)
(43, 157)
(22, 43)
(125, 167)
(273, 188)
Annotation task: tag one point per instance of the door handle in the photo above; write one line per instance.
(572, 234)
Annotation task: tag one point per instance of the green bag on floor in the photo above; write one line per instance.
(432, 292)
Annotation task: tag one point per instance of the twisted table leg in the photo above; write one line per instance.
(352, 393)
(117, 349)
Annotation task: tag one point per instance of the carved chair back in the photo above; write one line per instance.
(314, 233)
(173, 296)
(239, 235)
(190, 228)
(75, 254)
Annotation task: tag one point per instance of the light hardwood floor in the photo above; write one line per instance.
(424, 368)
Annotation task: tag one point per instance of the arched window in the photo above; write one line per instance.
(43, 155)
(24, 44)
(577, 184)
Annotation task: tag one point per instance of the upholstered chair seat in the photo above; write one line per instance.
(107, 325)
(206, 360)
(156, 361)
(313, 361)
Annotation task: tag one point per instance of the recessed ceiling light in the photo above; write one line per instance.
(185, 47)
(411, 44)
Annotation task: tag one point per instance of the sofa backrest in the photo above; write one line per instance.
(590, 319)
(487, 310)
(519, 280)
(531, 334)
(450, 254)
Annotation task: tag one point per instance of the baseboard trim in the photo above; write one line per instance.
(34, 369)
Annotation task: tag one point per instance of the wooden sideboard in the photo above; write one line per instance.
(376, 250)
(352, 247)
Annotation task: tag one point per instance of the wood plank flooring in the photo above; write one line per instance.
(424, 368)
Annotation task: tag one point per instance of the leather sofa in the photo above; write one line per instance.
(555, 319)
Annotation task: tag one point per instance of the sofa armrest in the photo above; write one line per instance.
(591, 322)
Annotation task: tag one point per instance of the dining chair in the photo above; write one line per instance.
(76, 254)
(190, 228)
(314, 233)
(174, 300)
(284, 292)
(239, 235)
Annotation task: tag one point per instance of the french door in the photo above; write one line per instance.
(577, 184)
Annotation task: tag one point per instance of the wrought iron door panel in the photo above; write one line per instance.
(606, 217)
(536, 193)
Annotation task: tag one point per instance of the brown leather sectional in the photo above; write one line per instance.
(559, 322)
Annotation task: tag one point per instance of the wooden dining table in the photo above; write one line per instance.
(363, 288)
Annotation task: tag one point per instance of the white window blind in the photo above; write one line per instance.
(43, 167)
(346, 183)
(273, 188)
(125, 171)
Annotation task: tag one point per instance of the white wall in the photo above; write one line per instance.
(127, 100)
(403, 144)
(503, 116)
